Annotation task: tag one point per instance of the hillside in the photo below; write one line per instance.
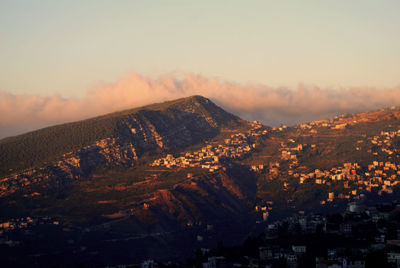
(323, 165)
(110, 182)
(145, 128)
(168, 178)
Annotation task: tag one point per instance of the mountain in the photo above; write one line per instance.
(167, 125)
(161, 180)
(97, 175)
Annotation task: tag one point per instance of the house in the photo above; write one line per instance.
(299, 250)
(214, 262)
(394, 258)
(148, 264)
(346, 228)
(267, 253)
(356, 264)
(291, 261)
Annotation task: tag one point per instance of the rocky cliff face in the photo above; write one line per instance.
(166, 126)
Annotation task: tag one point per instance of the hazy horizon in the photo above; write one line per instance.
(272, 106)
(277, 62)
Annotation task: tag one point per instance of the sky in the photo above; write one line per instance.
(337, 55)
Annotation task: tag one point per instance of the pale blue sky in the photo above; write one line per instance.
(67, 46)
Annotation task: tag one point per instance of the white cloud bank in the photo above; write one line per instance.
(272, 106)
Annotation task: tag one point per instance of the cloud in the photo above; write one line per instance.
(272, 106)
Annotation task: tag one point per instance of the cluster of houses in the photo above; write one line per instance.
(385, 142)
(375, 228)
(378, 176)
(264, 209)
(333, 123)
(14, 182)
(18, 224)
(379, 221)
(26, 178)
(23, 223)
(345, 120)
(211, 156)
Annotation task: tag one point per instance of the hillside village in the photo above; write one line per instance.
(211, 156)
(347, 120)
(378, 176)
(357, 180)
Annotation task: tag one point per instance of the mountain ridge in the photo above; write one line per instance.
(37, 147)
